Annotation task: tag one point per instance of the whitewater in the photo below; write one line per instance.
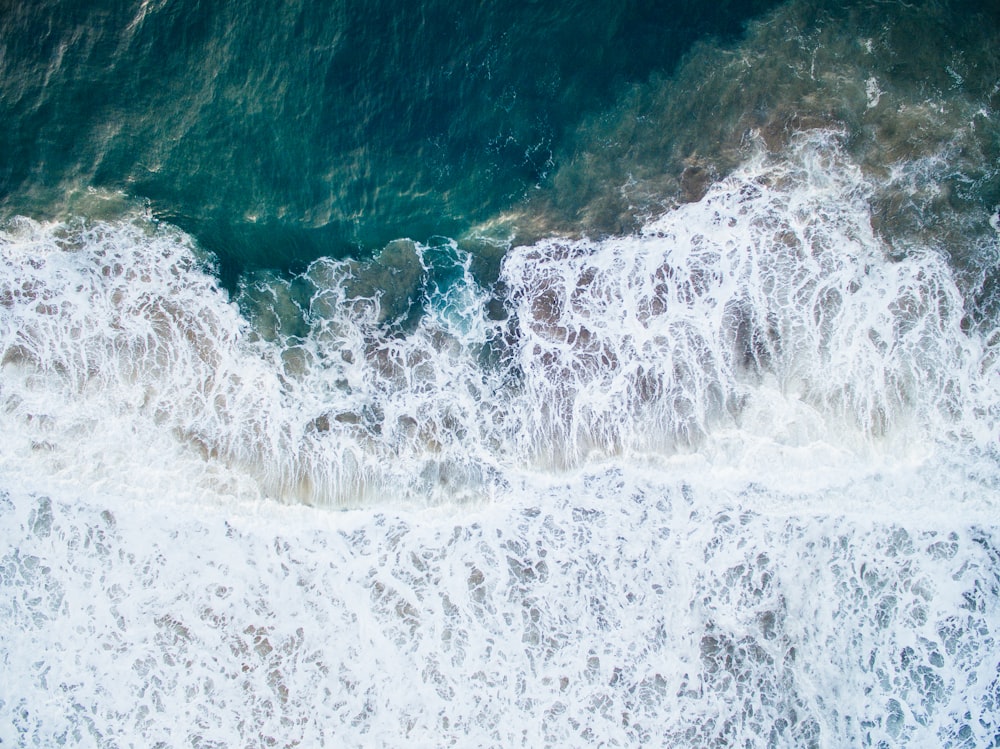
(727, 480)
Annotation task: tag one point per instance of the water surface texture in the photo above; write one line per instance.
(538, 374)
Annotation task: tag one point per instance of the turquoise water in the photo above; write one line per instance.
(535, 374)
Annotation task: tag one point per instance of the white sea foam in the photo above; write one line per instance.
(767, 310)
(611, 607)
(736, 480)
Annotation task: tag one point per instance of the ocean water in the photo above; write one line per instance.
(597, 374)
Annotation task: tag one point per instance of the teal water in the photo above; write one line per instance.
(530, 374)
(277, 133)
(280, 132)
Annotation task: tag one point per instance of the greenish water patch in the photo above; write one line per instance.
(914, 87)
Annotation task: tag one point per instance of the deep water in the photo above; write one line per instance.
(538, 374)
(279, 132)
